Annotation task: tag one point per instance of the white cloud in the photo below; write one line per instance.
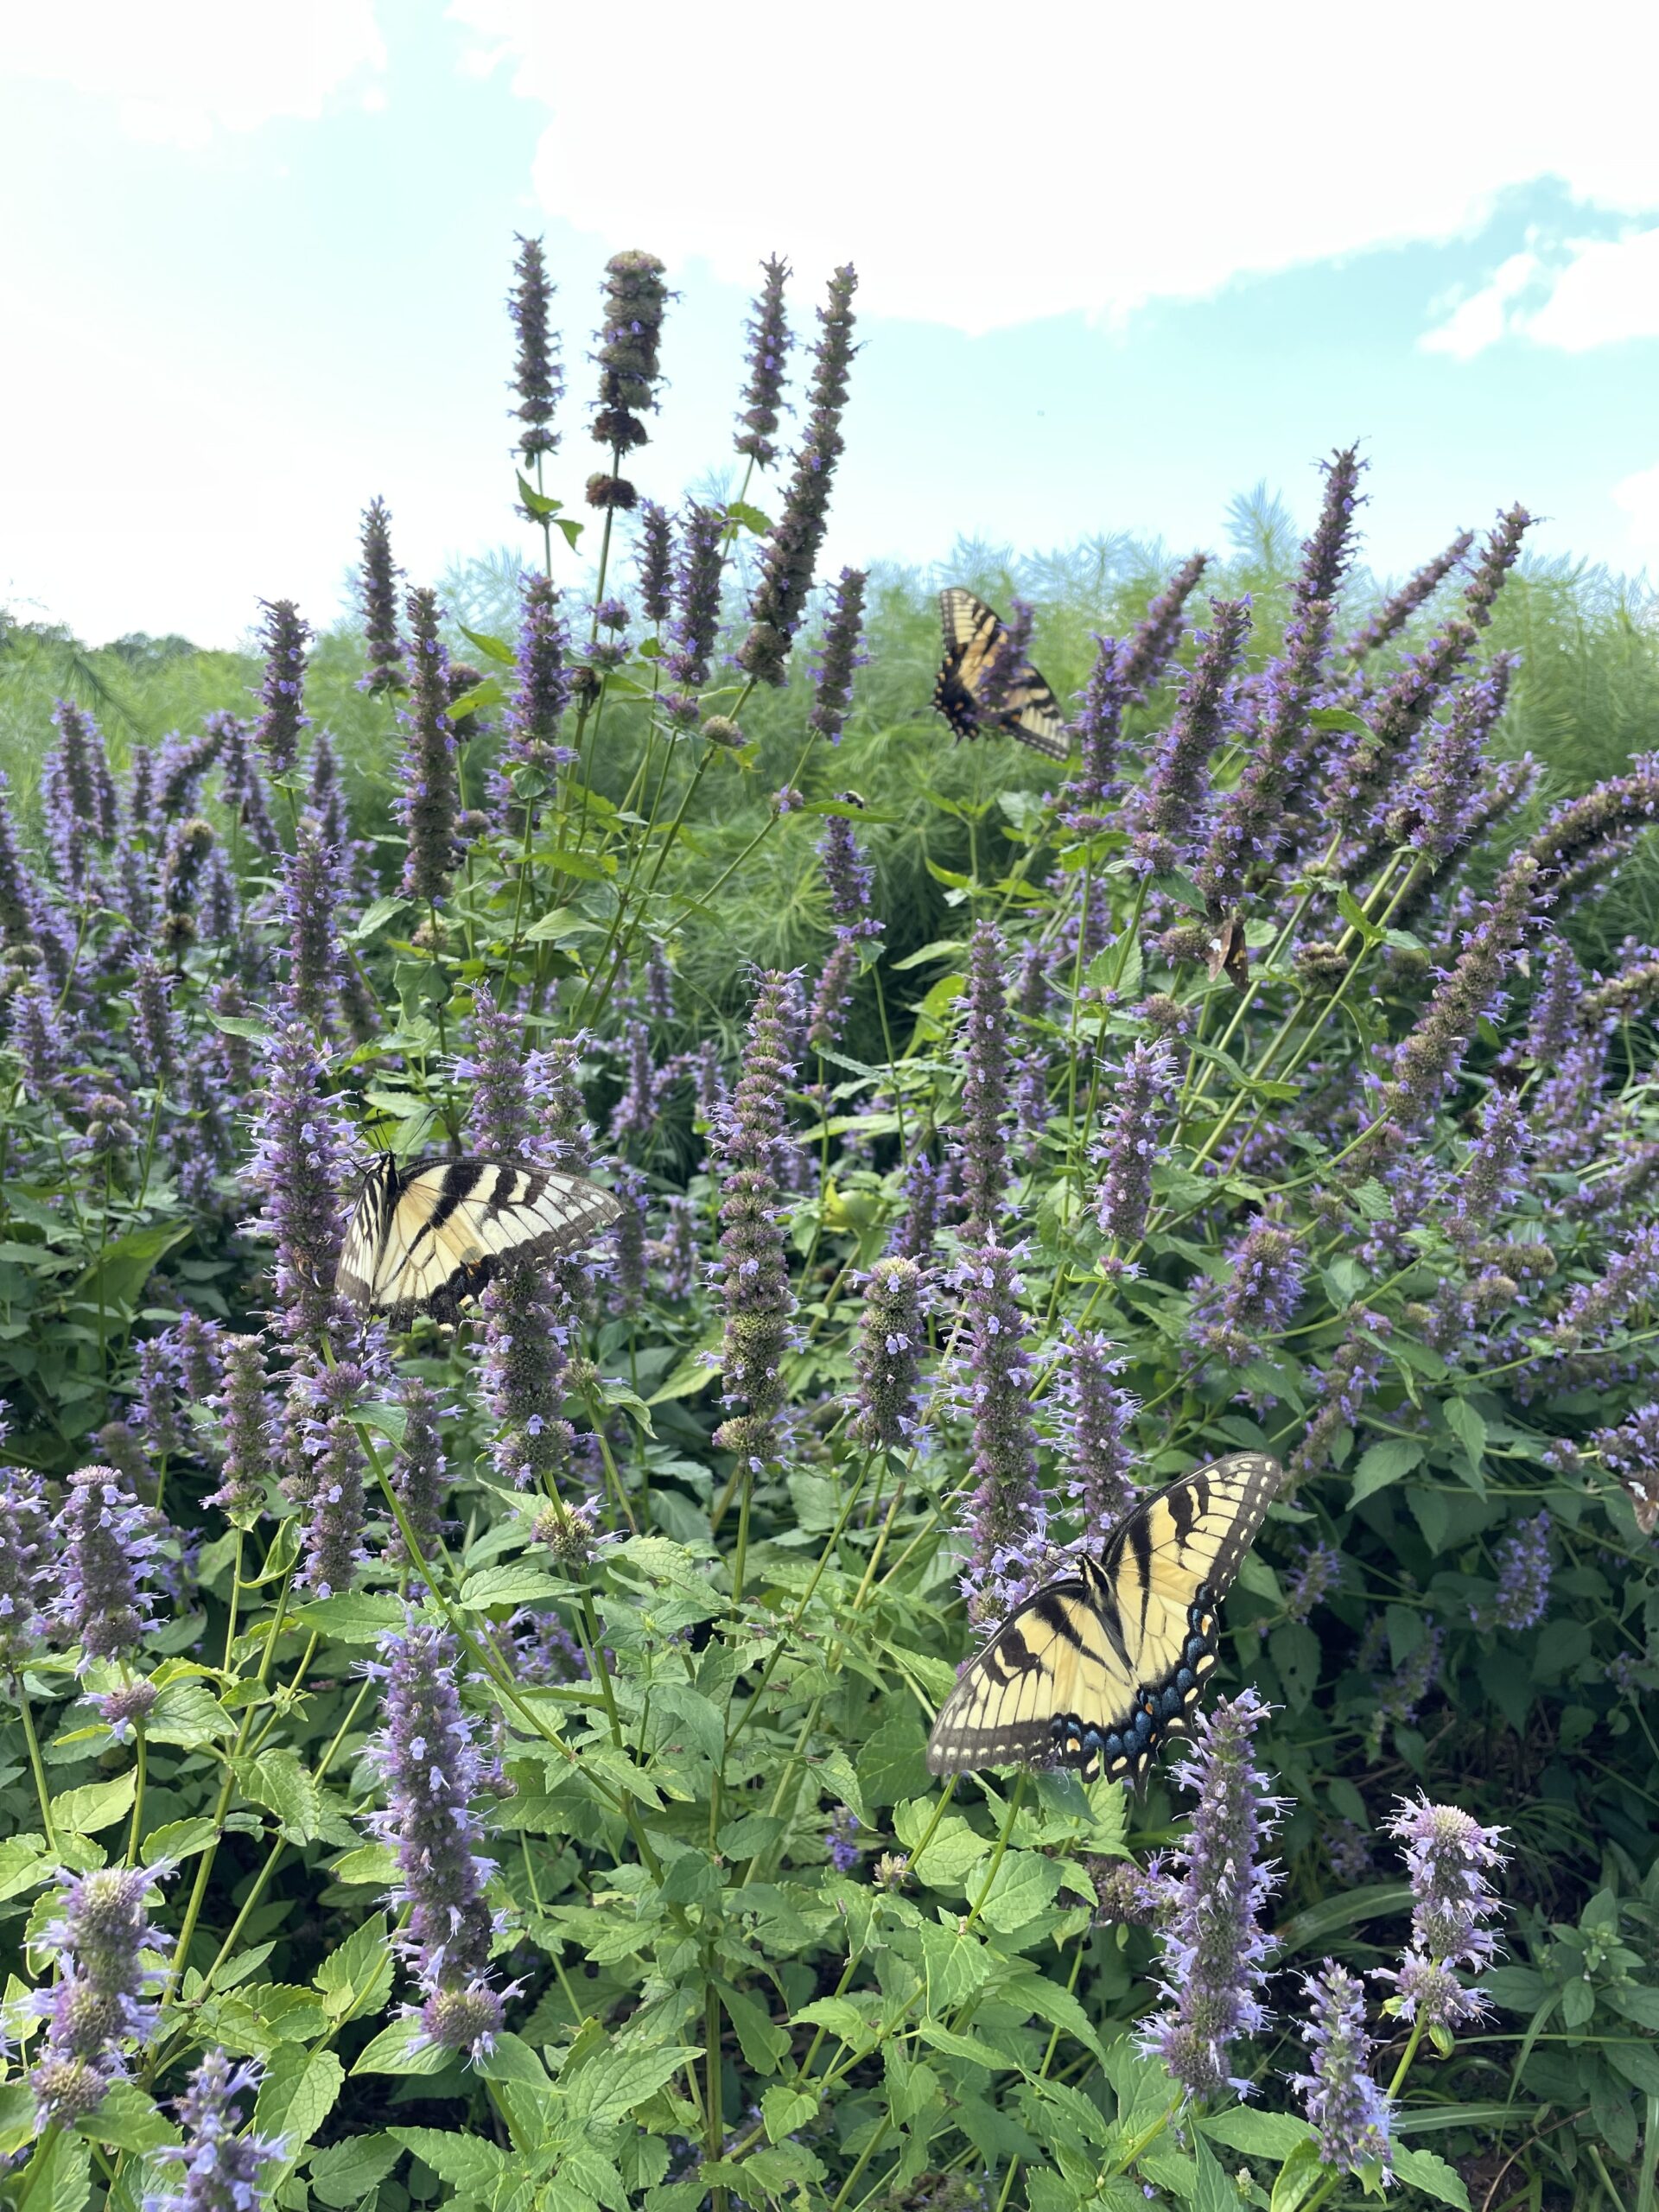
(1588, 292)
(1479, 320)
(1639, 497)
(1017, 164)
(180, 71)
(1609, 290)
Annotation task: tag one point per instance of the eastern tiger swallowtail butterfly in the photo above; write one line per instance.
(1096, 1670)
(422, 1237)
(1030, 712)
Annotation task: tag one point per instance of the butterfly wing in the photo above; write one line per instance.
(422, 1239)
(1096, 1670)
(972, 633)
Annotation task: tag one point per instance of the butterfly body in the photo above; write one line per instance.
(1097, 1669)
(1030, 712)
(424, 1236)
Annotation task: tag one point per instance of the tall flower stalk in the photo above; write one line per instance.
(753, 1268)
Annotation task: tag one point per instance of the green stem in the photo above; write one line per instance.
(36, 1767)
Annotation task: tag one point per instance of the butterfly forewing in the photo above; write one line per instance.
(972, 633)
(1094, 1671)
(422, 1238)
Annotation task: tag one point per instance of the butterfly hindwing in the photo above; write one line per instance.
(422, 1238)
(972, 633)
(1096, 1670)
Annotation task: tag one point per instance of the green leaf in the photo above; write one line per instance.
(1637, 2061)
(1296, 1652)
(375, 916)
(1215, 2192)
(122, 1269)
(466, 2162)
(390, 2053)
(615, 2082)
(370, 1862)
(1298, 2176)
(354, 1617)
(748, 517)
(1385, 1463)
(785, 2110)
(277, 1779)
(558, 922)
(96, 1805)
(128, 2120)
(489, 693)
(24, 1864)
(1427, 2171)
(1338, 718)
(356, 1976)
(968, 2049)
(1468, 1426)
(177, 1839)
(763, 2043)
(1258, 2134)
(343, 2174)
(188, 1714)
(892, 1760)
(1356, 917)
(519, 1583)
(1024, 1886)
(1318, 1922)
(536, 504)
(492, 648)
(297, 2095)
(241, 1024)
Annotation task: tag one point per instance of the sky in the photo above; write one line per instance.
(1111, 274)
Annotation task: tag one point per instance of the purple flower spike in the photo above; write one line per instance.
(769, 345)
(221, 2165)
(1215, 1949)
(545, 680)
(378, 586)
(326, 1478)
(655, 561)
(1448, 1854)
(848, 878)
(500, 1117)
(1346, 1381)
(1096, 1434)
(750, 1144)
(1353, 2115)
(431, 795)
(22, 1521)
(1395, 612)
(844, 1851)
(248, 1421)
(893, 1335)
(696, 595)
(95, 2008)
(311, 889)
(1127, 1144)
(107, 1547)
(299, 1168)
(1522, 1598)
(419, 1472)
(635, 298)
(1233, 1319)
(838, 656)
(285, 636)
(790, 555)
(982, 1148)
(537, 377)
(1096, 731)
(427, 1752)
(78, 794)
(1148, 652)
(526, 1335)
(1008, 1520)
(917, 1227)
(1179, 778)
(834, 995)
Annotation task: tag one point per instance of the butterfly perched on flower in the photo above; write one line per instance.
(1027, 710)
(423, 1236)
(1097, 1669)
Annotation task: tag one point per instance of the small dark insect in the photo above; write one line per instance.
(1228, 954)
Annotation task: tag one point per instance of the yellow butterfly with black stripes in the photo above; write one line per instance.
(1094, 1670)
(1030, 711)
(424, 1236)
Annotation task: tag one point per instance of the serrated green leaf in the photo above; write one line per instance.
(356, 1976)
(1427, 2171)
(354, 1617)
(616, 2079)
(466, 2162)
(297, 2095)
(517, 1584)
(278, 1780)
(344, 2174)
(178, 1839)
(391, 2053)
(1384, 1463)
(128, 2120)
(96, 1805)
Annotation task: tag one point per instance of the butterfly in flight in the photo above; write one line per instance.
(1030, 711)
(1097, 1669)
(424, 1236)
